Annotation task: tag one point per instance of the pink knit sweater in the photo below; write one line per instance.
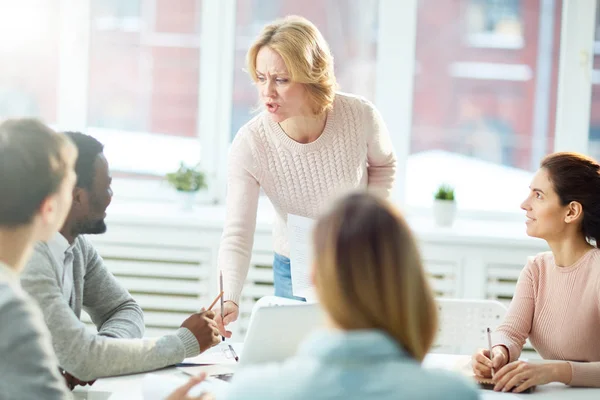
(354, 151)
(558, 308)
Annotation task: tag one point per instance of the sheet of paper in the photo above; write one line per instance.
(209, 370)
(220, 354)
(300, 240)
(159, 387)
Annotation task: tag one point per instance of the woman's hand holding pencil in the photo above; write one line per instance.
(483, 363)
(228, 312)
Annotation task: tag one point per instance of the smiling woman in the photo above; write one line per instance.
(560, 288)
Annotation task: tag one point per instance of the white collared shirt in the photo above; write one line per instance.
(63, 254)
(7, 273)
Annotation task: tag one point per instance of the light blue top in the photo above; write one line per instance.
(349, 365)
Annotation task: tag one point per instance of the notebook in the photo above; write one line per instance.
(465, 368)
(488, 384)
(462, 365)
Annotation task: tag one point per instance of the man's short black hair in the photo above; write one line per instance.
(31, 168)
(89, 148)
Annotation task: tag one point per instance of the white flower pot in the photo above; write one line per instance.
(444, 212)
(186, 200)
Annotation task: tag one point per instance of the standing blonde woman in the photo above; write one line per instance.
(307, 145)
(381, 312)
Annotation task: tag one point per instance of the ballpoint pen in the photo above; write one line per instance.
(221, 290)
(237, 359)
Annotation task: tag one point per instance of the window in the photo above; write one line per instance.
(349, 26)
(482, 118)
(29, 32)
(494, 23)
(144, 82)
(594, 129)
(467, 87)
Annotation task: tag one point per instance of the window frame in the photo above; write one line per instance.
(396, 73)
(217, 33)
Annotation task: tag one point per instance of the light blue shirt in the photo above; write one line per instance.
(366, 364)
(62, 252)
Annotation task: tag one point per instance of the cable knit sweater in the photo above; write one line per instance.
(558, 308)
(354, 151)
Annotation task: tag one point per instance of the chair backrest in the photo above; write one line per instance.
(463, 324)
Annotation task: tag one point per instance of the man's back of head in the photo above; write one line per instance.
(36, 176)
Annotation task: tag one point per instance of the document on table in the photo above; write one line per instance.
(159, 387)
(217, 355)
(300, 240)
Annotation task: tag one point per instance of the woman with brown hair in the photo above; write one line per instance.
(557, 300)
(380, 311)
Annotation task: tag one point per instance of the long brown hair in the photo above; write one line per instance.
(369, 274)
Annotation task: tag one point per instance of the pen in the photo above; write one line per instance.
(220, 296)
(237, 359)
(221, 290)
(489, 335)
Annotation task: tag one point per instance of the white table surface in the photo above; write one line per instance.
(552, 391)
(129, 387)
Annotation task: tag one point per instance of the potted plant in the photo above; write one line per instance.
(187, 181)
(444, 205)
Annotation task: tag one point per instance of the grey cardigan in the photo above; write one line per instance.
(117, 348)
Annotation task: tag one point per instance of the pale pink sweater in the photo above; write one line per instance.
(354, 151)
(558, 308)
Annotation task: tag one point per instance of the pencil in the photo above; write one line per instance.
(222, 308)
(215, 301)
(489, 336)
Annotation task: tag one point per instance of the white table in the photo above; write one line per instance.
(129, 387)
(552, 391)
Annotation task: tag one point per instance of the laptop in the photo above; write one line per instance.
(277, 327)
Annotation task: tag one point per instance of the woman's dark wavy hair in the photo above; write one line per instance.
(576, 177)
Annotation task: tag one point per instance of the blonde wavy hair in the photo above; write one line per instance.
(306, 56)
(368, 273)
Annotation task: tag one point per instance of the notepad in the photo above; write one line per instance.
(488, 384)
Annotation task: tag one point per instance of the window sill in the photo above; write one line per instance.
(488, 40)
(146, 153)
(464, 230)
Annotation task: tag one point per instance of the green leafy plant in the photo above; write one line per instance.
(444, 192)
(187, 179)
